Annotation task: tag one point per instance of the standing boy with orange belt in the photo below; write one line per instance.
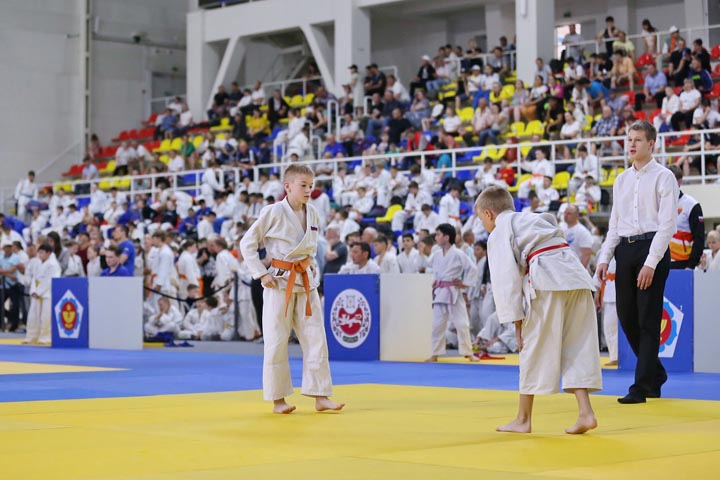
(289, 231)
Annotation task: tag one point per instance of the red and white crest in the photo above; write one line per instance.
(350, 318)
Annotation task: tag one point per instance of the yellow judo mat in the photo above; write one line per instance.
(386, 431)
(20, 368)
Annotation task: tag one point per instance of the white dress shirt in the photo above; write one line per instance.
(643, 201)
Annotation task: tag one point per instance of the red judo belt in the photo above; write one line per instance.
(298, 266)
(543, 250)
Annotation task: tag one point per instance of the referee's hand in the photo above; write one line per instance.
(602, 269)
(645, 277)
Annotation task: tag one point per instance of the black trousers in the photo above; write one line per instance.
(640, 99)
(640, 313)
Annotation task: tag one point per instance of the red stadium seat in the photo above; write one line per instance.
(640, 115)
(715, 52)
(133, 134)
(716, 71)
(151, 119)
(679, 141)
(715, 93)
(644, 60)
(654, 114)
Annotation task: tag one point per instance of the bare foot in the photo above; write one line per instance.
(611, 363)
(432, 359)
(516, 426)
(472, 358)
(583, 424)
(281, 407)
(324, 403)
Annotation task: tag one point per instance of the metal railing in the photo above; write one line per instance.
(462, 160)
(159, 104)
(688, 33)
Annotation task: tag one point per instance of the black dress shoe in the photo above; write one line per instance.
(631, 398)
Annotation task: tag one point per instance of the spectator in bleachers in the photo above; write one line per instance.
(258, 95)
(93, 267)
(115, 268)
(607, 125)
(486, 82)
(235, 94)
(426, 73)
(89, 171)
(649, 36)
(349, 134)
(680, 62)
(278, 108)
(577, 235)
(442, 77)
(519, 99)
(653, 87)
(609, 35)
(571, 130)
(710, 261)
(426, 219)
(123, 156)
(451, 122)
(616, 102)
(700, 52)
(672, 44)
(546, 194)
(540, 167)
(670, 105)
(399, 91)
(176, 163)
(449, 208)
(589, 193)
(220, 102)
(689, 100)
(94, 148)
(407, 259)
(585, 165)
(624, 46)
(499, 63)
(258, 127)
(700, 77)
(185, 120)
(623, 70)
(571, 41)
(25, 192)
(534, 107)
(361, 261)
(554, 117)
(397, 126)
(573, 72)
(356, 88)
(375, 82)
(555, 88)
(385, 256)
(542, 70)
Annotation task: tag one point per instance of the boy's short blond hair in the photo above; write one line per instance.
(496, 199)
(297, 169)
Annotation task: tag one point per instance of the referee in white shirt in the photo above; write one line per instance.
(642, 222)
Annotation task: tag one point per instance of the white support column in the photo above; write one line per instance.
(535, 27)
(229, 66)
(352, 39)
(322, 51)
(696, 15)
(203, 61)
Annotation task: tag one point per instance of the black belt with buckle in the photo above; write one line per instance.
(638, 238)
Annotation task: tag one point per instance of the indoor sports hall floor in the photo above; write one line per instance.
(190, 414)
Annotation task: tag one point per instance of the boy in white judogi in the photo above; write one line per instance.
(416, 198)
(167, 319)
(188, 269)
(408, 258)
(39, 315)
(605, 302)
(289, 231)
(194, 321)
(540, 167)
(540, 285)
(449, 210)
(385, 255)
(453, 271)
(496, 337)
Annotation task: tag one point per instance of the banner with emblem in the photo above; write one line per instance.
(676, 327)
(70, 312)
(352, 316)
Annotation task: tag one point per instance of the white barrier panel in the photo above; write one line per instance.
(406, 316)
(707, 326)
(116, 312)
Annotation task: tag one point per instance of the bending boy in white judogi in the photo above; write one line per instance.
(453, 272)
(39, 315)
(541, 286)
(289, 230)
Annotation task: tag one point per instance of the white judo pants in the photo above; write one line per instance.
(560, 341)
(458, 315)
(310, 331)
(38, 321)
(610, 329)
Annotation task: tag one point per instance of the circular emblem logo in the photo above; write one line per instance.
(350, 318)
(69, 315)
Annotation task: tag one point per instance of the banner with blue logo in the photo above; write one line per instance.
(352, 316)
(69, 312)
(676, 327)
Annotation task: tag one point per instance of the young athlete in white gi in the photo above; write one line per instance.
(453, 272)
(39, 316)
(540, 285)
(289, 230)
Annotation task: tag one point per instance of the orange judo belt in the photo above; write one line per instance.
(298, 266)
(609, 277)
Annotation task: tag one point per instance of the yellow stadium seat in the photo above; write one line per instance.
(122, 183)
(105, 185)
(446, 95)
(517, 129)
(176, 144)
(496, 153)
(560, 182)
(284, 121)
(198, 140)
(508, 91)
(389, 214)
(523, 178)
(224, 125)
(535, 127)
(287, 99)
(466, 114)
(165, 159)
(525, 148)
(308, 99)
(221, 136)
(263, 108)
(588, 123)
(296, 101)
(109, 168)
(164, 146)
